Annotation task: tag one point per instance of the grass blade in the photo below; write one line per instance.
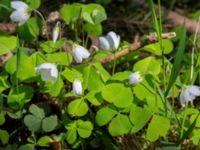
(177, 61)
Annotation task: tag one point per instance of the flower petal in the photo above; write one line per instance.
(135, 78)
(18, 5)
(80, 53)
(56, 32)
(113, 39)
(194, 90)
(77, 87)
(48, 72)
(104, 44)
(185, 97)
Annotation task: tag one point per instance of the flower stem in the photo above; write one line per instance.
(43, 19)
(6, 7)
(114, 65)
(192, 55)
(183, 122)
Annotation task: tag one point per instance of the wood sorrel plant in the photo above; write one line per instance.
(59, 93)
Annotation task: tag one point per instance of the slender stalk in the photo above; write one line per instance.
(161, 43)
(183, 122)
(3, 95)
(114, 65)
(6, 7)
(44, 21)
(192, 55)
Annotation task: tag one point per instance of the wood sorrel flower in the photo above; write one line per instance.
(77, 87)
(48, 72)
(56, 31)
(22, 12)
(111, 41)
(135, 78)
(79, 53)
(188, 94)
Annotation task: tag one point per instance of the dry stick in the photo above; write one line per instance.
(136, 45)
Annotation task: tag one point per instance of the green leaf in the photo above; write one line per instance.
(148, 65)
(36, 111)
(93, 13)
(105, 114)
(32, 122)
(7, 43)
(2, 118)
(139, 117)
(95, 98)
(18, 96)
(26, 147)
(52, 89)
(195, 136)
(70, 74)
(155, 103)
(33, 3)
(77, 107)
(44, 141)
(49, 123)
(120, 125)
(29, 31)
(71, 135)
(90, 82)
(123, 97)
(102, 71)
(84, 128)
(4, 136)
(177, 61)
(159, 126)
(61, 58)
(26, 71)
(3, 84)
(155, 48)
(50, 46)
(70, 13)
(121, 76)
(94, 29)
(144, 90)
(5, 9)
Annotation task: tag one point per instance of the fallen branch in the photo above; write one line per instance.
(137, 43)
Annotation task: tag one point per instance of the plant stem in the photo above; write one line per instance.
(6, 7)
(183, 122)
(43, 19)
(114, 65)
(193, 48)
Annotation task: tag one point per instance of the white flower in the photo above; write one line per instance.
(56, 31)
(79, 53)
(104, 44)
(22, 12)
(188, 94)
(77, 87)
(135, 78)
(111, 41)
(48, 72)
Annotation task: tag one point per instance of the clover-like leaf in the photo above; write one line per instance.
(84, 128)
(118, 94)
(4, 136)
(36, 111)
(49, 123)
(159, 126)
(105, 114)
(32, 122)
(2, 118)
(7, 43)
(119, 125)
(77, 107)
(139, 117)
